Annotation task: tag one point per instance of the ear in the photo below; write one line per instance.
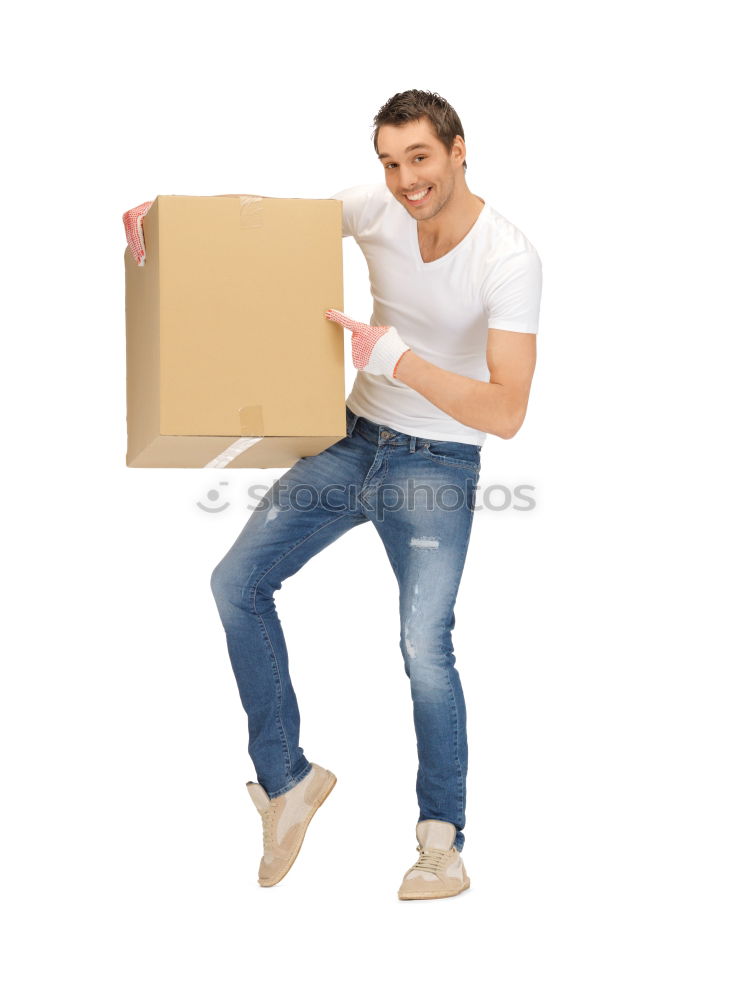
(459, 151)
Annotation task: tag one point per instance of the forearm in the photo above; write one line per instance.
(482, 405)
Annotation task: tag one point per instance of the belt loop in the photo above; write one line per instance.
(412, 443)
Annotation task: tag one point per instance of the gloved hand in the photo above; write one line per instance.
(132, 220)
(375, 349)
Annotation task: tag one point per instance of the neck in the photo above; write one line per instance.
(454, 219)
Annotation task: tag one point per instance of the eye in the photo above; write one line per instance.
(419, 156)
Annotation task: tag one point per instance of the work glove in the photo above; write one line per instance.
(132, 220)
(375, 349)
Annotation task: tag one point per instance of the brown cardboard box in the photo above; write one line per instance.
(230, 360)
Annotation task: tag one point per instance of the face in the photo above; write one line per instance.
(426, 166)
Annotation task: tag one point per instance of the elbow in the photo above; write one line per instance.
(505, 431)
(513, 425)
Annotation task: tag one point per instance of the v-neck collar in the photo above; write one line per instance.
(414, 225)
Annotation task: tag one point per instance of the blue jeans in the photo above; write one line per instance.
(420, 495)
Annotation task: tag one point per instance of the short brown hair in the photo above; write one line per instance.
(412, 105)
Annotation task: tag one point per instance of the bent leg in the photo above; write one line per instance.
(282, 534)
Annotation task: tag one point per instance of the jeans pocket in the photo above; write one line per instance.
(455, 453)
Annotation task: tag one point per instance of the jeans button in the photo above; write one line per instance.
(385, 434)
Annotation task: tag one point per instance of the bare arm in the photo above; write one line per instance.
(496, 407)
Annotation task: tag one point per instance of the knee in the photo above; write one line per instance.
(223, 587)
(426, 648)
(416, 637)
(429, 678)
(238, 586)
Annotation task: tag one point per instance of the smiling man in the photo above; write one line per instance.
(458, 281)
(446, 358)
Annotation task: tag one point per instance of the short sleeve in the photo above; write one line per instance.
(512, 293)
(354, 201)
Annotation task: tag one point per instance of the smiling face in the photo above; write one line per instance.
(416, 163)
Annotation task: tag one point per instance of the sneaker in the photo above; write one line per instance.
(440, 870)
(285, 820)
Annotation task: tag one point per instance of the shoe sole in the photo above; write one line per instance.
(440, 895)
(329, 788)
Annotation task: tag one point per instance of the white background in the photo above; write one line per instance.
(590, 632)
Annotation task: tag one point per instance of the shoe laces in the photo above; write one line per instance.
(430, 858)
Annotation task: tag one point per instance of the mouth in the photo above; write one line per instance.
(419, 197)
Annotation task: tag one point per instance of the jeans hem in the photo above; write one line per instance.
(293, 781)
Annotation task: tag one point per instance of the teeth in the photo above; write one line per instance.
(418, 196)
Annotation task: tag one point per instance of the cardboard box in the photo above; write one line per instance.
(230, 360)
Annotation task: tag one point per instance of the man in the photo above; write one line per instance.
(448, 357)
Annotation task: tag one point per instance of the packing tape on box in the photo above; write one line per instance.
(251, 424)
(251, 211)
(234, 450)
(251, 421)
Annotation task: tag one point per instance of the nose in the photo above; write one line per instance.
(408, 178)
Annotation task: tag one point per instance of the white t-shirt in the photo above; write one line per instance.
(441, 309)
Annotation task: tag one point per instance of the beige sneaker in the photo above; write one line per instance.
(285, 820)
(440, 870)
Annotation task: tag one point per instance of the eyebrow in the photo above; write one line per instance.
(415, 145)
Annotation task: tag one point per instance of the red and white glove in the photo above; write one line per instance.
(375, 349)
(132, 220)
